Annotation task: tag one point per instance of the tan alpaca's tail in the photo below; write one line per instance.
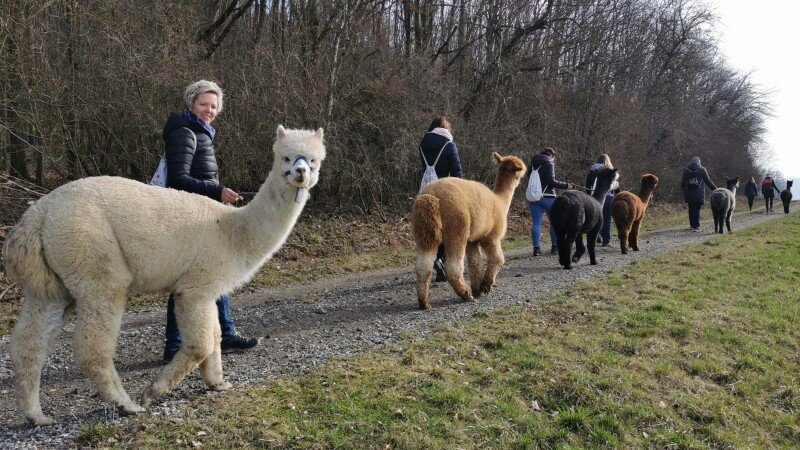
(426, 222)
(24, 258)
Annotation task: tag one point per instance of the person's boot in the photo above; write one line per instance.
(238, 343)
(554, 250)
(537, 251)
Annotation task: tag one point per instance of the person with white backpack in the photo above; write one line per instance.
(440, 159)
(541, 198)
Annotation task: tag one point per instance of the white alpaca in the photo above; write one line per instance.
(89, 243)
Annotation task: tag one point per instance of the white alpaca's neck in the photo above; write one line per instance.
(264, 224)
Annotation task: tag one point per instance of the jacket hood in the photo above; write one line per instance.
(694, 166)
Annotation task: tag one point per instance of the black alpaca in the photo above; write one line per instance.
(786, 196)
(575, 213)
(723, 202)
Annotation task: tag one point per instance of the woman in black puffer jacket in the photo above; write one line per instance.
(192, 167)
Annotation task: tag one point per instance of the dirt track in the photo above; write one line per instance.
(306, 325)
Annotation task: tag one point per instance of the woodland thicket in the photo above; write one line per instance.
(87, 86)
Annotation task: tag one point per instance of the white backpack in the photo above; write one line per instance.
(534, 192)
(430, 169)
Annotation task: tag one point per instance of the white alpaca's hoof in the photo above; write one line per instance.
(41, 421)
(221, 386)
(131, 408)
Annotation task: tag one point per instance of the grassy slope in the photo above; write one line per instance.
(697, 348)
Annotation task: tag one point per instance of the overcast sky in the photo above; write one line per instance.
(761, 37)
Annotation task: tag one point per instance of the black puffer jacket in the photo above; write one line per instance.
(191, 162)
(547, 174)
(750, 189)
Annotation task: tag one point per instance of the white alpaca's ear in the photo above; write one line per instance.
(319, 133)
(281, 132)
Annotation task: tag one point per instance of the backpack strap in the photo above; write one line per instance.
(437, 156)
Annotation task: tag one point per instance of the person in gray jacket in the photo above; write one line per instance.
(694, 178)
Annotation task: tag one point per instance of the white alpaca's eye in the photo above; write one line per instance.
(286, 159)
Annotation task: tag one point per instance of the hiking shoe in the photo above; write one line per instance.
(537, 251)
(238, 343)
(554, 250)
(438, 265)
(696, 230)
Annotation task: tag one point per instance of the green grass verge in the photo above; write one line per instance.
(698, 348)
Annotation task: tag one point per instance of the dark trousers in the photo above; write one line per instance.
(605, 232)
(694, 214)
(750, 202)
(768, 201)
(173, 336)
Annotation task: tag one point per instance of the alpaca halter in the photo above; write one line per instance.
(300, 158)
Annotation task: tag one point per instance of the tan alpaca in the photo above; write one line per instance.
(628, 211)
(466, 216)
(87, 244)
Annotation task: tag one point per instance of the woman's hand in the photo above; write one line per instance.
(229, 196)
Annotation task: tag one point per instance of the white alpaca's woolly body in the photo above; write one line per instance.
(89, 243)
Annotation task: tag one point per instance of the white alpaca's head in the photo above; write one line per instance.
(299, 155)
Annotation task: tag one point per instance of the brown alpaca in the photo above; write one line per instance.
(466, 216)
(628, 211)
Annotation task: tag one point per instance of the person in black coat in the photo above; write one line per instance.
(751, 192)
(438, 149)
(192, 167)
(694, 178)
(545, 163)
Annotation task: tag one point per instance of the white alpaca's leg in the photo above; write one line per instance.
(195, 314)
(475, 267)
(494, 261)
(38, 325)
(424, 269)
(211, 367)
(95, 342)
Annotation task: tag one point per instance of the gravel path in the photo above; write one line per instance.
(304, 325)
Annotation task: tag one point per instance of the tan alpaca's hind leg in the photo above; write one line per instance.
(475, 267)
(195, 315)
(494, 261)
(424, 269)
(454, 269)
(95, 342)
(38, 325)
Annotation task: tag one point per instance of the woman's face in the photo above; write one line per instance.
(205, 107)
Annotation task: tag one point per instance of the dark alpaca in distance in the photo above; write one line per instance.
(723, 202)
(786, 196)
(575, 213)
